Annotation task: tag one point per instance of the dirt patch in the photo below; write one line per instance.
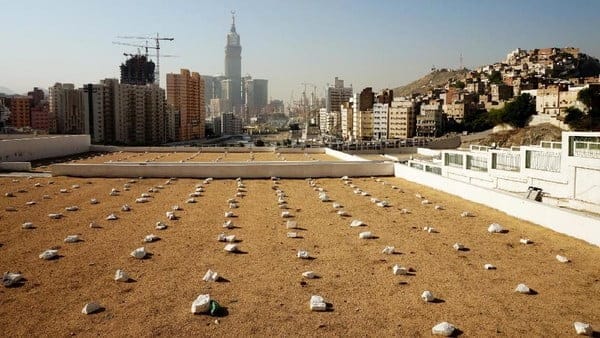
(265, 293)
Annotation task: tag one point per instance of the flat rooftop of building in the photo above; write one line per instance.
(262, 288)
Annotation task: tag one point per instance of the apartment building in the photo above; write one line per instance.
(185, 92)
(401, 119)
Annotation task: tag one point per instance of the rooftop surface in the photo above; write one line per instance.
(263, 289)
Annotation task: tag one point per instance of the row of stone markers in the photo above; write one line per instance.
(204, 304)
(445, 328)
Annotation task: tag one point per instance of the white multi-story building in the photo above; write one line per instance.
(380, 121)
(347, 114)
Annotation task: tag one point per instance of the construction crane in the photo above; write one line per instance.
(157, 40)
(164, 55)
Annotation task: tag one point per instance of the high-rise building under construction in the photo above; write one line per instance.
(137, 70)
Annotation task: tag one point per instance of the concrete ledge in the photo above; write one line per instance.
(15, 166)
(343, 156)
(183, 149)
(29, 149)
(226, 170)
(574, 224)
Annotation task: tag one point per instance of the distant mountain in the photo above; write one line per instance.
(6, 91)
(437, 78)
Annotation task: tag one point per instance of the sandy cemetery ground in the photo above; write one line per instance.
(199, 157)
(263, 289)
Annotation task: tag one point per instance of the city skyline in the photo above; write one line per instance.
(288, 44)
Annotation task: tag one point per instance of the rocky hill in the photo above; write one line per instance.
(531, 135)
(437, 78)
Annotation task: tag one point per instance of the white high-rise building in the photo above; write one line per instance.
(380, 121)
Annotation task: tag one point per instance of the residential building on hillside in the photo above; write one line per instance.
(429, 121)
(402, 119)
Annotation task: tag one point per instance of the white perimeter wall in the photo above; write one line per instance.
(29, 149)
(226, 170)
(343, 156)
(208, 149)
(564, 221)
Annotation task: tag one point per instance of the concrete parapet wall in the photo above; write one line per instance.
(15, 166)
(560, 220)
(343, 156)
(226, 170)
(183, 149)
(35, 148)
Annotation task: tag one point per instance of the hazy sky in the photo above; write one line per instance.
(379, 44)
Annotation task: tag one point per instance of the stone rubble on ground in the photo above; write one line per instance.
(72, 239)
(286, 214)
(496, 228)
(292, 235)
(309, 274)
(317, 303)
(12, 279)
(170, 215)
(30, 203)
(27, 225)
(55, 216)
(489, 267)
(151, 238)
(383, 204)
(427, 296)
(466, 214)
(49, 254)
(583, 329)
(72, 208)
(399, 270)
(458, 246)
(357, 223)
(525, 241)
(443, 329)
(522, 288)
(228, 213)
(343, 213)
(94, 225)
(190, 200)
(231, 248)
(90, 308)
(210, 276)
(201, 304)
(365, 235)
(94, 201)
(562, 259)
(112, 217)
(121, 276)
(225, 238)
(438, 207)
(291, 224)
(160, 226)
(139, 253)
(388, 250)
(302, 254)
